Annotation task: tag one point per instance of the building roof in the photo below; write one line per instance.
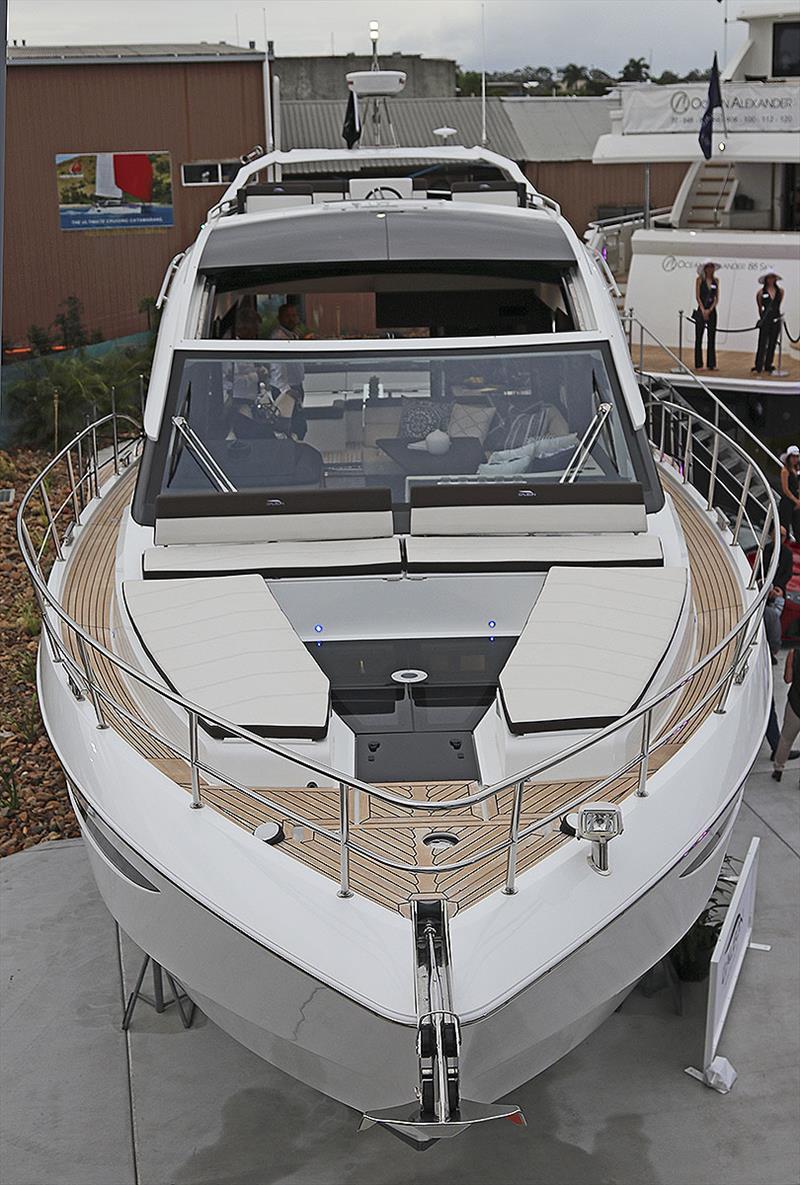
(93, 55)
(560, 128)
(317, 123)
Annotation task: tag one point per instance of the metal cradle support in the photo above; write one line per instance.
(439, 1111)
(158, 1001)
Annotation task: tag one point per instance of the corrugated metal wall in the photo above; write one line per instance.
(581, 188)
(195, 111)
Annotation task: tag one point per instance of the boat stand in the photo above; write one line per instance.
(157, 1001)
(663, 974)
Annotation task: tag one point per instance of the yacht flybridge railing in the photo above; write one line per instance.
(639, 339)
(83, 473)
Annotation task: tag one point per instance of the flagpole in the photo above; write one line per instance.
(484, 137)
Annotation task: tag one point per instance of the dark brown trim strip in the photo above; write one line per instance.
(528, 565)
(278, 573)
(568, 724)
(272, 502)
(599, 493)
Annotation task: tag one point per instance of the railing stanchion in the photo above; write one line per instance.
(193, 759)
(76, 506)
(641, 348)
(344, 840)
(93, 696)
(748, 477)
(511, 872)
(647, 724)
(712, 477)
(141, 394)
(95, 462)
(726, 687)
(759, 553)
(687, 452)
(115, 436)
(662, 434)
(51, 523)
(81, 474)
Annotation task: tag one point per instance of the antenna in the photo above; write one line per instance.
(373, 36)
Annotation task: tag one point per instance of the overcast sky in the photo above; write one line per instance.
(671, 34)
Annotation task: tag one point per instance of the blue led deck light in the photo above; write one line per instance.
(491, 624)
(317, 629)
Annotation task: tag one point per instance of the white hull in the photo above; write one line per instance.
(327, 1040)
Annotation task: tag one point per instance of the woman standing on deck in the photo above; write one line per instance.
(706, 291)
(768, 299)
(789, 505)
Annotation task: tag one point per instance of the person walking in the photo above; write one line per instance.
(768, 299)
(789, 504)
(706, 291)
(791, 717)
(776, 598)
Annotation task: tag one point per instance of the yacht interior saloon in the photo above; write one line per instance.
(740, 209)
(407, 670)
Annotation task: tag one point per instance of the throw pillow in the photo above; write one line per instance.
(417, 421)
(469, 420)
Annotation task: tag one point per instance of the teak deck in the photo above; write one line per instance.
(388, 830)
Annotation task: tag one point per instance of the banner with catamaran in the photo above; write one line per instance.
(114, 190)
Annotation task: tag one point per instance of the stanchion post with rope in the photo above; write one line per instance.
(679, 369)
(779, 372)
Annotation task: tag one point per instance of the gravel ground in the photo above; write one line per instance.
(33, 798)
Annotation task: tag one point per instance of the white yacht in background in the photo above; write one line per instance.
(406, 672)
(740, 209)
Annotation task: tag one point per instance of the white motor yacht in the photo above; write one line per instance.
(406, 670)
(740, 209)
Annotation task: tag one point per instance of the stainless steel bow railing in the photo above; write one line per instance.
(80, 653)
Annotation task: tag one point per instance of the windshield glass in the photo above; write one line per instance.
(277, 420)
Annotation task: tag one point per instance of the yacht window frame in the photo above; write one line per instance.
(154, 459)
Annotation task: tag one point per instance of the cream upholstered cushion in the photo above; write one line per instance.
(591, 646)
(225, 644)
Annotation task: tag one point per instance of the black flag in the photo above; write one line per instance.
(351, 128)
(714, 100)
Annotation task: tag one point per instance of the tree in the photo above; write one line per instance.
(574, 77)
(468, 82)
(39, 340)
(147, 305)
(70, 324)
(635, 70)
(666, 78)
(84, 389)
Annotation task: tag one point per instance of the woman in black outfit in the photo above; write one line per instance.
(789, 505)
(768, 299)
(706, 291)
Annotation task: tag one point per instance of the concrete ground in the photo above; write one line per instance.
(84, 1104)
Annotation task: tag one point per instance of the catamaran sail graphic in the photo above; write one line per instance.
(124, 172)
(105, 185)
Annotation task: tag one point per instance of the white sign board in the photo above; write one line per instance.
(726, 963)
(749, 107)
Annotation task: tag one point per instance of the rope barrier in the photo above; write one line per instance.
(750, 328)
(747, 329)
